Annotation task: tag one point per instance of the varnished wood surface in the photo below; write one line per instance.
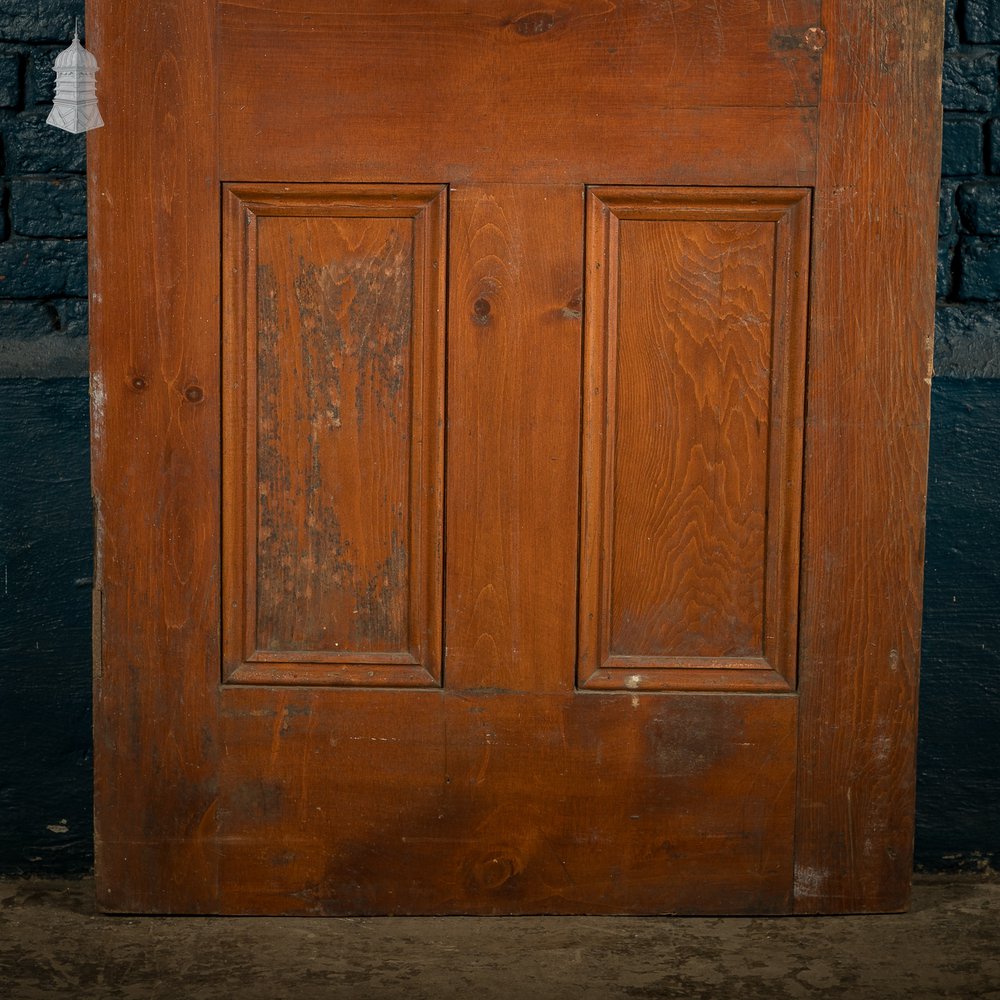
(513, 436)
(547, 803)
(693, 437)
(690, 458)
(508, 789)
(498, 90)
(868, 406)
(333, 365)
(154, 329)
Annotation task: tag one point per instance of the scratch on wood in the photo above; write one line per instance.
(98, 401)
(535, 23)
(330, 330)
(359, 308)
(810, 883)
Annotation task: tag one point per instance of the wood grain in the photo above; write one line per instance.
(690, 457)
(154, 228)
(693, 437)
(513, 436)
(334, 355)
(487, 803)
(486, 92)
(866, 454)
(508, 788)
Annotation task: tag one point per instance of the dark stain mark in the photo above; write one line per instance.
(481, 312)
(257, 799)
(250, 713)
(813, 39)
(695, 740)
(194, 394)
(354, 314)
(289, 713)
(574, 308)
(534, 23)
(376, 603)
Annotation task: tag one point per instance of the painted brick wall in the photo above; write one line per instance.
(45, 519)
(43, 207)
(968, 283)
(958, 789)
(45, 527)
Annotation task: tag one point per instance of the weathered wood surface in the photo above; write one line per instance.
(868, 412)
(154, 236)
(504, 803)
(589, 92)
(333, 371)
(692, 437)
(509, 788)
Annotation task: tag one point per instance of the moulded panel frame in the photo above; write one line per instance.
(599, 668)
(420, 665)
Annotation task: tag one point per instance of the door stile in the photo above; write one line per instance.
(153, 199)
(868, 414)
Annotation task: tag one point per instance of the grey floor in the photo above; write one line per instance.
(54, 944)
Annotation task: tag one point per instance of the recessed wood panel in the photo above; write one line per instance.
(333, 361)
(693, 437)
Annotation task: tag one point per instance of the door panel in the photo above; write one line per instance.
(693, 437)
(532, 637)
(333, 369)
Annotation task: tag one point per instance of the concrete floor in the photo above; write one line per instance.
(54, 944)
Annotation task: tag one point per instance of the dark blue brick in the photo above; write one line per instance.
(979, 207)
(981, 20)
(947, 213)
(73, 317)
(49, 206)
(32, 147)
(41, 78)
(25, 320)
(962, 148)
(32, 269)
(970, 81)
(45, 561)
(967, 341)
(994, 146)
(10, 78)
(951, 36)
(958, 808)
(979, 270)
(39, 20)
(946, 255)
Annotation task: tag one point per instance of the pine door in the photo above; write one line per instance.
(509, 430)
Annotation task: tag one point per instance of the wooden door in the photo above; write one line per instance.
(509, 433)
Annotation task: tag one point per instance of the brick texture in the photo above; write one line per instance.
(43, 201)
(968, 271)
